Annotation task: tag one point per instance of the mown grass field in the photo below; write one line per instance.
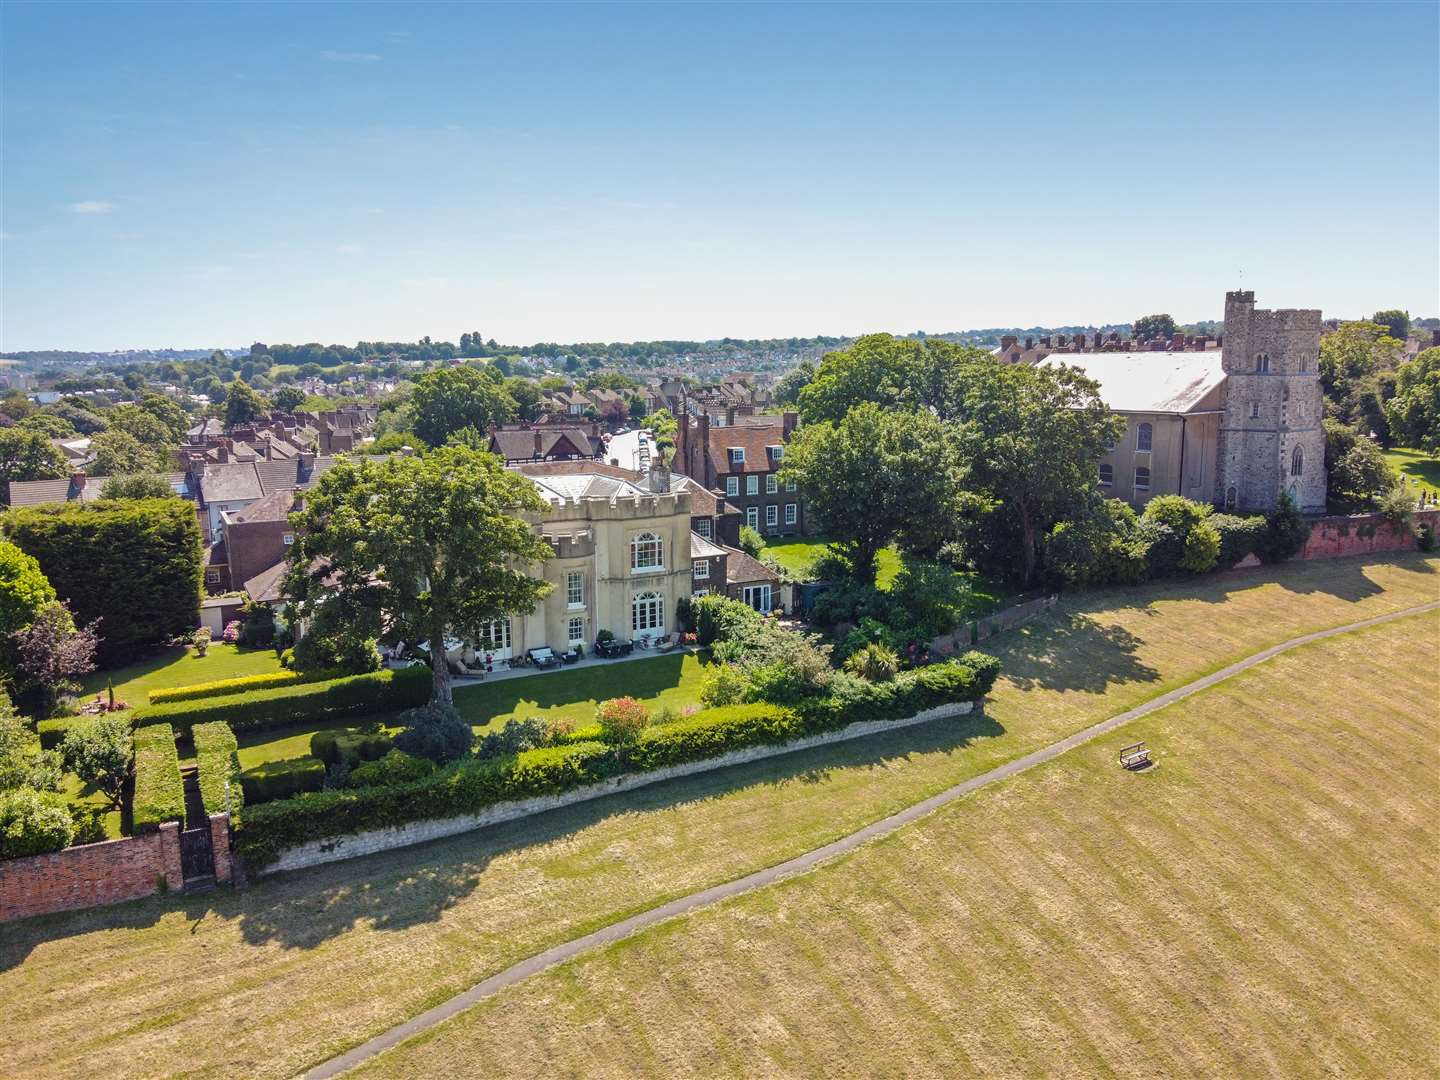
(1260, 903)
(311, 963)
(1416, 466)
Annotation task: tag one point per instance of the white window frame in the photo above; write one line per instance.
(792, 513)
(575, 589)
(737, 455)
(772, 483)
(790, 485)
(700, 569)
(751, 593)
(647, 553)
(777, 453)
(647, 614)
(570, 624)
(287, 539)
(772, 515)
(1144, 433)
(732, 486)
(752, 484)
(1104, 481)
(703, 528)
(752, 516)
(1146, 485)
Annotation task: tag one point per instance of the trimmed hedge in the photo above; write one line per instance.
(218, 760)
(354, 695)
(159, 792)
(352, 747)
(471, 785)
(52, 732)
(1239, 536)
(280, 780)
(226, 687)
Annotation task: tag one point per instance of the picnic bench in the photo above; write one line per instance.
(1134, 756)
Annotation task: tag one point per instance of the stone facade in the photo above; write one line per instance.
(418, 832)
(1270, 440)
(93, 874)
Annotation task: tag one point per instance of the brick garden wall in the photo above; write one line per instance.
(90, 875)
(1363, 534)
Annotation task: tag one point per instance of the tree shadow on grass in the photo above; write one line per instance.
(1071, 651)
(396, 889)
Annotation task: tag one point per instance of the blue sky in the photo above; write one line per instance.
(207, 174)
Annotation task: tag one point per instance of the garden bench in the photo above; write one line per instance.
(1135, 756)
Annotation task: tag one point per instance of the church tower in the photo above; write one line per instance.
(1271, 439)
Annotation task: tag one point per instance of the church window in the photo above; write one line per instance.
(1254, 410)
(1230, 497)
(1144, 434)
(1297, 461)
(1262, 362)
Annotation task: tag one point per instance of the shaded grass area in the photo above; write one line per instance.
(1416, 465)
(1235, 910)
(179, 667)
(94, 802)
(319, 960)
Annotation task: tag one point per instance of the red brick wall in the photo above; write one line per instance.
(1360, 535)
(93, 874)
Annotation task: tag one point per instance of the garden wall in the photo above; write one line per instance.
(92, 874)
(972, 633)
(334, 849)
(1363, 534)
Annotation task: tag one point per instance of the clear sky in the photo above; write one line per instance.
(212, 174)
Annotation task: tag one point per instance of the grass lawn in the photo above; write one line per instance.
(180, 667)
(1238, 910)
(278, 744)
(317, 961)
(79, 793)
(1416, 465)
(573, 693)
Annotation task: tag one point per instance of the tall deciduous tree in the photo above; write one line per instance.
(27, 455)
(459, 397)
(1414, 412)
(876, 476)
(427, 547)
(52, 652)
(1151, 327)
(1031, 438)
(288, 398)
(1395, 321)
(118, 453)
(242, 404)
(892, 373)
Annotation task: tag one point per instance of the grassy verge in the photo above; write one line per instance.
(1235, 905)
(179, 667)
(320, 960)
(1415, 465)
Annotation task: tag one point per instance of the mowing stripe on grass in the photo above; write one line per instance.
(801, 863)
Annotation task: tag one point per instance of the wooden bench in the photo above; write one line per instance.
(1135, 756)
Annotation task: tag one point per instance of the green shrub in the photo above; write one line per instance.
(436, 732)
(1285, 532)
(1239, 537)
(712, 732)
(280, 780)
(558, 768)
(1180, 536)
(101, 752)
(515, 737)
(52, 731)
(724, 684)
(395, 768)
(718, 618)
(228, 687)
(1202, 546)
(350, 747)
(1425, 536)
(159, 792)
(378, 692)
(875, 662)
(218, 762)
(751, 542)
(621, 719)
(33, 823)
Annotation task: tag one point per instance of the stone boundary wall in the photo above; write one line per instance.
(977, 630)
(1363, 534)
(335, 848)
(93, 874)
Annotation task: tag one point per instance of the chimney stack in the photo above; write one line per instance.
(1177, 341)
(659, 478)
(788, 422)
(1006, 342)
(538, 447)
(77, 479)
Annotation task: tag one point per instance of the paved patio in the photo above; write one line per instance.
(503, 672)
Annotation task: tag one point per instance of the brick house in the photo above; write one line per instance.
(740, 453)
(521, 443)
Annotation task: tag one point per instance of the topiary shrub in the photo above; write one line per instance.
(621, 720)
(349, 747)
(396, 767)
(33, 823)
(515, 737)
(282, 779)
(436, 732)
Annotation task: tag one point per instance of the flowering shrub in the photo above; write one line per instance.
(232, 632)
(621, 719)
(201, 640)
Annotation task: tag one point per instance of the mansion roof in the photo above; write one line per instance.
(1148, 382)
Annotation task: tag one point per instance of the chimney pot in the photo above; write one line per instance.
(77, 479)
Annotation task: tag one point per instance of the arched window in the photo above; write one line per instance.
(647, 613)
(1297, 461)
(647, 552)
(1262, 362)
(1143, 435)
(1231, 497)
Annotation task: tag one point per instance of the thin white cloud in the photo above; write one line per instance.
(351, 57)
(350, 249)
(92, 206)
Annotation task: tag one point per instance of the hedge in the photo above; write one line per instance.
(280, 780)
(134, 564)
(218, 761)
(52, 731)
(352, 747)
(159, 792)
(471, 785)
(226, 687)
(1239, 536)
(354, 695)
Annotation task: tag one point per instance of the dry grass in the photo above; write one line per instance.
(1261, 903)
(296, 969)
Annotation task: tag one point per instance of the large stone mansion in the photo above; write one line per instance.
(1237, 426)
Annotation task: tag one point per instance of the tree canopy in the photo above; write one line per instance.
(1414, 411)
(427, 547)
(27, 455)
(459, 397)
(1153, 327)
(1355, 365)
(892, 373)
(1395, 321)
(242, 404)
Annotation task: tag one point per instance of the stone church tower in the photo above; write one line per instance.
(1271, 439)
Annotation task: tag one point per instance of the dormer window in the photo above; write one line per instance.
(777, 453)
(737, 455)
